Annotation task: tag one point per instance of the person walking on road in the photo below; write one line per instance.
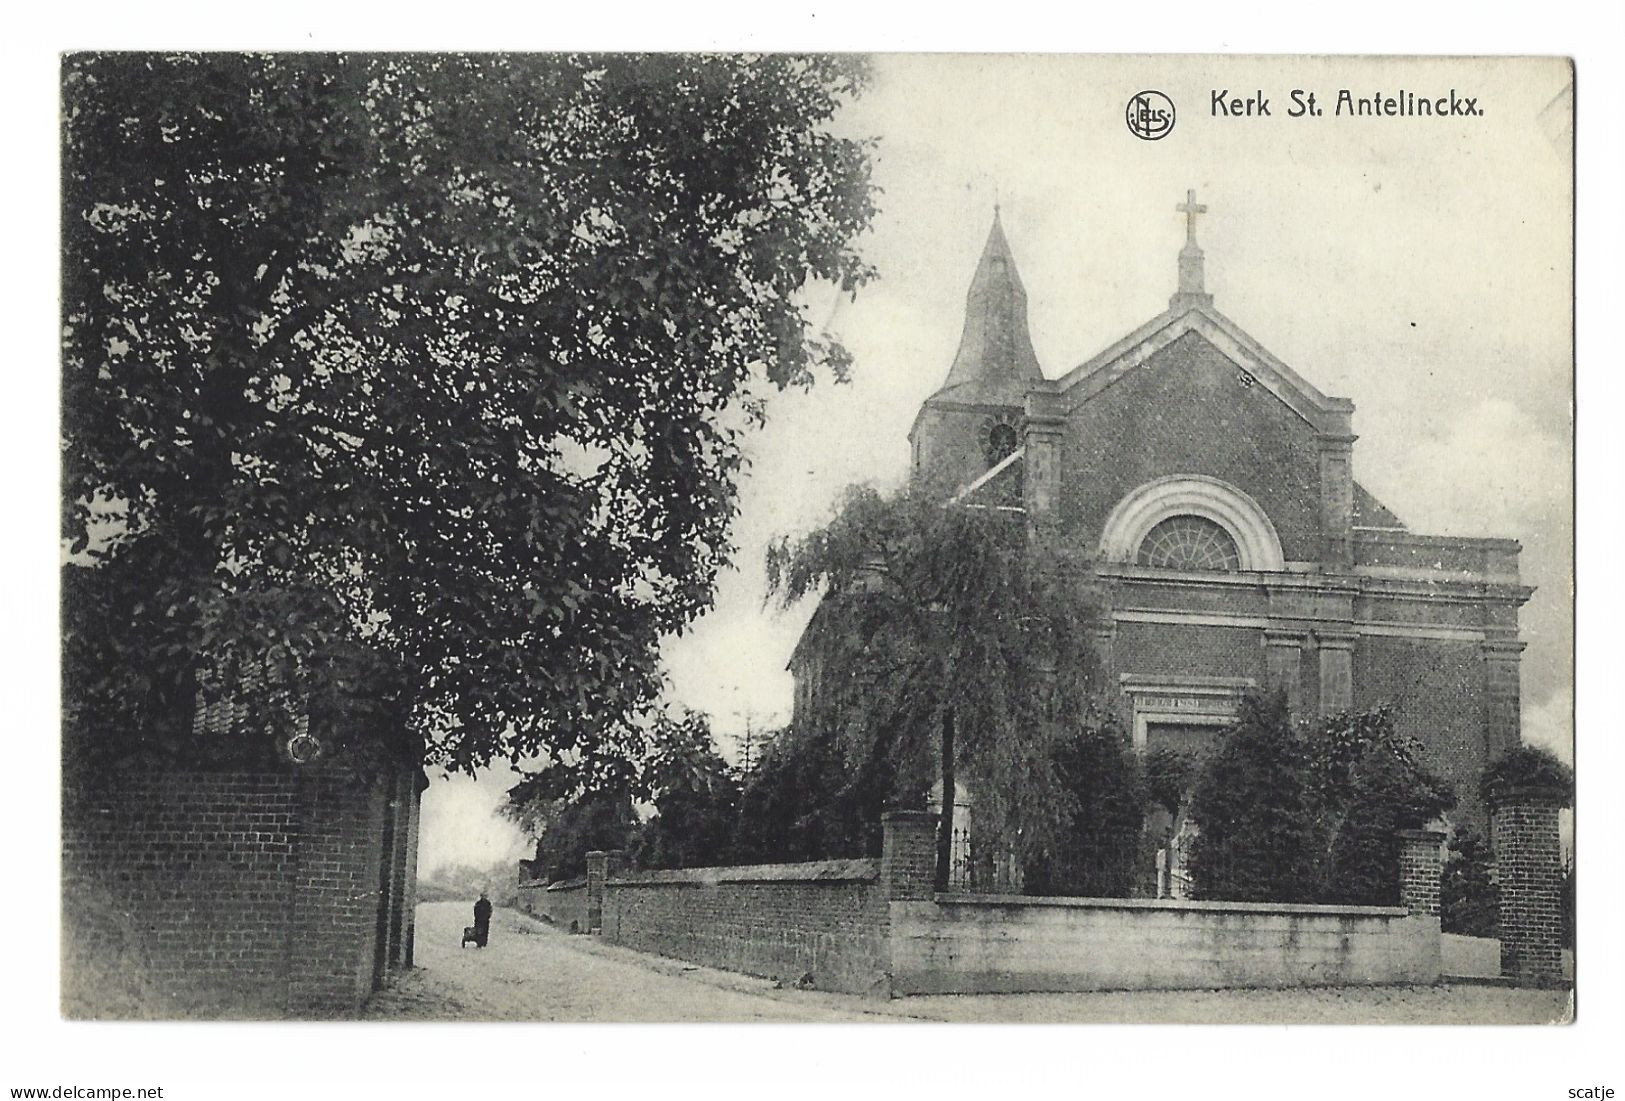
(482, 920)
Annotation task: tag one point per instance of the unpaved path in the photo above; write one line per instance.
(533, 972)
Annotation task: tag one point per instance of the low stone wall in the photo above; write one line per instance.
(879, 927)
(826, 919)
(564, 904)
(1005, 944)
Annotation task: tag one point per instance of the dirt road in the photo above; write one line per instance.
(533, 972)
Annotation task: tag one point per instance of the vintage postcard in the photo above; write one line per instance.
(721, 537)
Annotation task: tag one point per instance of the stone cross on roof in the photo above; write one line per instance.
(1191, 290)
(1190, 208)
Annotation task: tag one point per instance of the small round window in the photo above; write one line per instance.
(1189, 543)
(1001, 443)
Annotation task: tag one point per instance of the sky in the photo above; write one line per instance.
(1417, 266)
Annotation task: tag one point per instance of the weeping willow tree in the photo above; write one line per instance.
(945, 645)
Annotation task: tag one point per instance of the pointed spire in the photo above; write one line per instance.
(1191, 291)
(995, 361)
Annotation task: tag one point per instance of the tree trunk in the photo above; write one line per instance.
(945, 825)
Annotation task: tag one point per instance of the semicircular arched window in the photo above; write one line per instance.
(1189, 543)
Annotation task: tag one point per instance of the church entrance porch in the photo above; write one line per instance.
(1187, 716)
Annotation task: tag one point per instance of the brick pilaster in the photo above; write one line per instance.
(1283, 663)
(602, 865)
(1337, 502)
(1529, 867)
(1336, 652)
(1503, 662)
(1041, 462)
(908, 856)
(1104, 637)
(1420, 871)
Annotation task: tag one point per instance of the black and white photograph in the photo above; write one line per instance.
(804, 537)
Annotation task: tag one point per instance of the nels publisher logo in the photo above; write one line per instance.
(1150, 116)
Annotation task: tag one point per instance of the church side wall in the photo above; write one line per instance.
(950, 443)
(1437, 688)
(1187, 411)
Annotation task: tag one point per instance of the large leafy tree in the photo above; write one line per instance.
(667, 762)
(939, 624)
(417, 382)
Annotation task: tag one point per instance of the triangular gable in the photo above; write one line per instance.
(1326, 414)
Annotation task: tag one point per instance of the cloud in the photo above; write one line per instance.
(1550, 725)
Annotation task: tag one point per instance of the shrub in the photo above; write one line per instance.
(1099, 840)
(1527, 766)
(1255, 811)
(1309, 815)
(1468, 897)
(1168, 776)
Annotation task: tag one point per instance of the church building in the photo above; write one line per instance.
(1214, 488)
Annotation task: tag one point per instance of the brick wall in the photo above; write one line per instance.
(336, 919)
(563, 904)
(1438, 689)
(1421, 865)
(785, 921)
(238, 894)
(1186, 411)
(200, 868)
(1180, 650)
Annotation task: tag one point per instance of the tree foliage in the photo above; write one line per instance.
(1255, 808)
(1098, 851)
(931, 612)
(1530, 768)
(668, 763)
(422, 377)
(807, 800)
(1169, 773)
(1311, 814)
(1468, 897)
(695, 795)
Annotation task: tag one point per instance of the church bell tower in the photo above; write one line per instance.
(974, 421)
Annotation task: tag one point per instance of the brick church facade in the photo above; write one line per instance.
(1213, 489)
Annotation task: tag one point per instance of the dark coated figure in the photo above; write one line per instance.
(482, 920)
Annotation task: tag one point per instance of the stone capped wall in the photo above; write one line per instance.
(563, 904)
(1007, 944)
